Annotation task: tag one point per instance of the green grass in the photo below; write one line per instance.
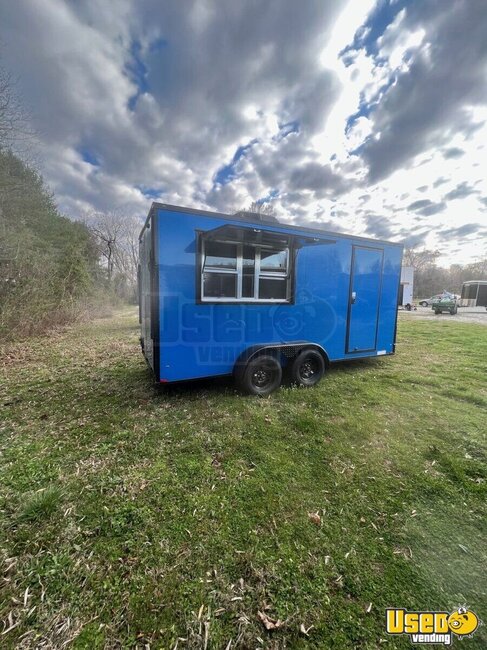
(133, 517)
(40, 505)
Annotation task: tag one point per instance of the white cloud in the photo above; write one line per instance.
(131, 97)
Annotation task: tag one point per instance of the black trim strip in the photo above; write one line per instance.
(397, 306)
(139, 291)
(155, 303)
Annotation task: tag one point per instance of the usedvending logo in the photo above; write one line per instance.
(432, 627)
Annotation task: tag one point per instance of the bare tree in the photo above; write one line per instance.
(106, 228)
(127, 249)
(14, 122)
(478, 269)
(116, 237)
(265, 209)
(420, 260)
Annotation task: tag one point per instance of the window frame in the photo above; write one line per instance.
(286, 275)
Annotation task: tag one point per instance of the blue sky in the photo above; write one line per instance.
(368, 117)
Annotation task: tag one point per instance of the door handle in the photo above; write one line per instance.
(353, 297)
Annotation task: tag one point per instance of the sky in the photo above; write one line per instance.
(360, 116)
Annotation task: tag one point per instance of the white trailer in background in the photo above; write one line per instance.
(474, 294)
(405, 297)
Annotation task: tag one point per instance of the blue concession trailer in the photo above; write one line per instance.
(247, 295)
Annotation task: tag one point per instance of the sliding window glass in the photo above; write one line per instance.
(219, 270)
(273, 274)
(237, 272)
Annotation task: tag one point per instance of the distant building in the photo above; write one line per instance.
(405, 296)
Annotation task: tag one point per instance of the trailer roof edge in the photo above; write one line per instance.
(222, 215)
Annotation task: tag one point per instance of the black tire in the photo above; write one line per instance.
(307, 368)
(453, 311)
(423, 303)
(260, 376)
(437, 311)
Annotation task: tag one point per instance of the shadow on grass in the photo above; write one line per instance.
(198, 388)
(369, 363)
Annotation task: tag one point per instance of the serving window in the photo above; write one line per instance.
(244, 272)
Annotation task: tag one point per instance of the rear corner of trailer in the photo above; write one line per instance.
(391, 281)
(146, 281)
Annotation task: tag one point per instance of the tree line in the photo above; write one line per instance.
(53, 269)
(430, 279)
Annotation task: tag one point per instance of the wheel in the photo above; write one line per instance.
(437, 311)
(260, 376)
(453, 311)
(423, 303)
(307, 368)
(408, 307)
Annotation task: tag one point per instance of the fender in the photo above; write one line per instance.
(288, 350)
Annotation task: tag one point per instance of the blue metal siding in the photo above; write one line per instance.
(205, 339)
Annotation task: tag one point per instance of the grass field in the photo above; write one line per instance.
(136, 518)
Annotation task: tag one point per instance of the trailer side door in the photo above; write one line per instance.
(364, 298)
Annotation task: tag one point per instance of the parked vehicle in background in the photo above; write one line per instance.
(474, 294)
(438, 296)
(445, 303)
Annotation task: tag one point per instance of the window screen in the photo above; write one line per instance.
(271, 260)
(220, 255)
(238, 272)
(272, 289)
(220, 285)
